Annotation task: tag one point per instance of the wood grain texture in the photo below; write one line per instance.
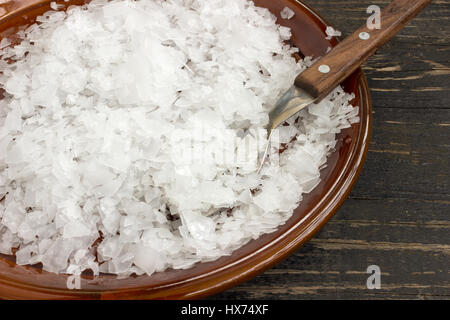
(398, 213)
(353, 51)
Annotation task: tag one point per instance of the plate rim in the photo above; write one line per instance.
(222, 278)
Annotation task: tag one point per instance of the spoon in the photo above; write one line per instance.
(316, 82)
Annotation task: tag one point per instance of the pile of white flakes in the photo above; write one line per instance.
(92, 95)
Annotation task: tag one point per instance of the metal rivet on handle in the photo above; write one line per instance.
(324, 68)
(364, 36)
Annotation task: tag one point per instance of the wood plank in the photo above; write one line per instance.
(413, 255)
(409, 156)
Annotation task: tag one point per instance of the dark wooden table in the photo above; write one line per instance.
(398, 214)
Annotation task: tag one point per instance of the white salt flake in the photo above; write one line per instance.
(56, 6)
(102, 105)
(287, 13)
(5, 42)
(331, 32)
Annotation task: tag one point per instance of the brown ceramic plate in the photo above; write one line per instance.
(344, 165)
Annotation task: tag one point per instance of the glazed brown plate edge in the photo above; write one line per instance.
(204, 279)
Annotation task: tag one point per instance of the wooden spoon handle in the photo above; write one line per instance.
(333, 68)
